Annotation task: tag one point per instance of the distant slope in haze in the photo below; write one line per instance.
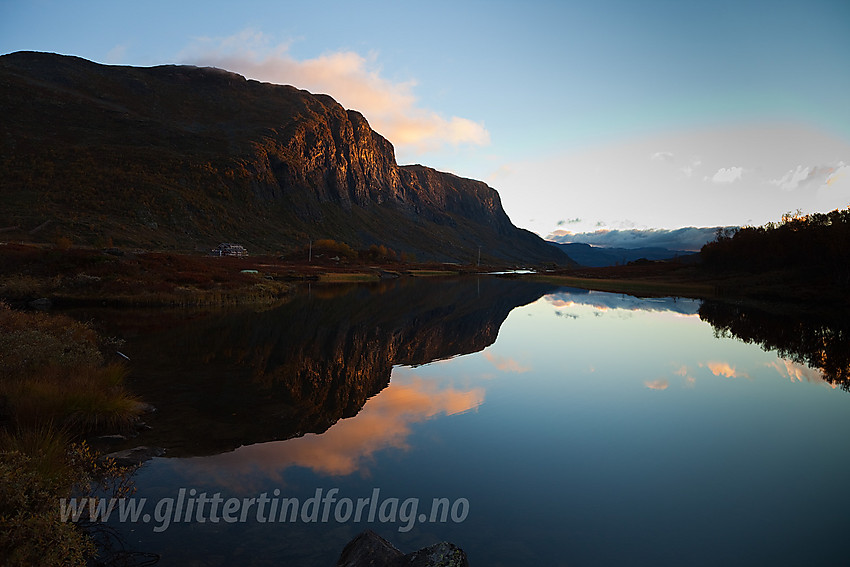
(597, 256)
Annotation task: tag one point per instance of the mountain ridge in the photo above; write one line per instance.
(182, 157)
(597, 256)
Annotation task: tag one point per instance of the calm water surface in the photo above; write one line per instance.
(582, 428)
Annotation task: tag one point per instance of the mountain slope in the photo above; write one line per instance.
(183, 157)
(597, 256)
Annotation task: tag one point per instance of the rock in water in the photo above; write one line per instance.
(443, 554)
(368, 548)
(135, 456)
(371, 550)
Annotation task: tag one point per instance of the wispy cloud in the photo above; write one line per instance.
(505, 364)
(728, 174)
(662, 156)
(117, 54)
(660, 384)
(562, 222)
(355, 81)
(809, 176)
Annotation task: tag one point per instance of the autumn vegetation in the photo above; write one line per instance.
(55, 389)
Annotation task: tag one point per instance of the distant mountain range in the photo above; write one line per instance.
(596, 256)
(182, 158)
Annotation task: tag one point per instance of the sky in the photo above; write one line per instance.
(584, 115)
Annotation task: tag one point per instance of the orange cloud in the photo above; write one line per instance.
(660, 384)
(723, 369)
(505, 364)
(384, 422)
(353, 80)
(798, 372)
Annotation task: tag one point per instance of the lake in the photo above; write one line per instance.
(553, 426)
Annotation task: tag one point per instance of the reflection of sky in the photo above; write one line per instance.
(610, 437)
(603, 300)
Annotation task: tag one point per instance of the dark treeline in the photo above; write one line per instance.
(819, 242)
(819, 341)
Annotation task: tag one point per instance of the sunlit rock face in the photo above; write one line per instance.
(175, 156)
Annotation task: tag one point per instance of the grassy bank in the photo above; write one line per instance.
(655, 279)
(637, 287)
(803, 291)
(54, 390)
(78, 276)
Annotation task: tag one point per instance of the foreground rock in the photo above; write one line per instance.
(135, 456)
(370, 549)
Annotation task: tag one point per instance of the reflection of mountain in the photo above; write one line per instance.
(605, 300)
(240, 378)
(816, 341)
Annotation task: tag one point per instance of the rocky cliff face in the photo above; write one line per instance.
(177, 156)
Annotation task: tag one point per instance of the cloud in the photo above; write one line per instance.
(688, 238)
(842, 171)
(723, 369)
(662, 156)
(117, 54)
(353, 80)
(660, 384)
(505, 364)
(562, 222)
(814, 175)
(689, 169)
(728, 174)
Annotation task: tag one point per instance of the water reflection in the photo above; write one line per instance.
(232, 379)
(348, 447)
(603, 301)
(628, 430)
(807, 341)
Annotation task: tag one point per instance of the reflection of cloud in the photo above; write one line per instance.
(355, 81)
(685, 373)
(723, 369)
(602, 302)
(798, 372)
(660, 384)
(384, 422)
(505, 364)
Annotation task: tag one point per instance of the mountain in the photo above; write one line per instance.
(595, 256)
(181, 157)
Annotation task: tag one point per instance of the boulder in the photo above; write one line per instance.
(135, 456)
(371, 550)
(42, 304)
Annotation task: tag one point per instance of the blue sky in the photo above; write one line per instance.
(584, 115)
